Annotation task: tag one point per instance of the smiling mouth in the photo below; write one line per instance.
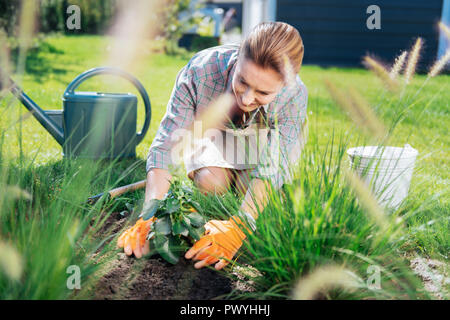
(248, 108)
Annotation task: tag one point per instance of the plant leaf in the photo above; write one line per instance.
(177, 245)
(196, 233)
(179, 228)
(150, 209)
(196, 219)
(194, 204)
(162, 245)
(163, 226)
(172, 205)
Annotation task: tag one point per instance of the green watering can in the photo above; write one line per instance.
(93, 125)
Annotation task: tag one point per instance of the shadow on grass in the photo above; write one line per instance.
(47, 182)
(38, 64)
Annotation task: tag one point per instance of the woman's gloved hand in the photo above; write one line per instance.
(221, 241)
(134, 239)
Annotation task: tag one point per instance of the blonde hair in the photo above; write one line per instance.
(269, 43)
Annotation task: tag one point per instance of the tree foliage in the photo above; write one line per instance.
(96, 15)
(8, 17)
(178, 17)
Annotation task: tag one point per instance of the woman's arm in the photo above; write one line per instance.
(256, 197)
(158, 184)
(179, 115)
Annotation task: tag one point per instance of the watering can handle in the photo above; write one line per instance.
(114, 71)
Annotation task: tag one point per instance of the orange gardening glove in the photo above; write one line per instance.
(221, 241)
(134, 239)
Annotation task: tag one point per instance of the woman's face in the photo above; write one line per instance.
(254, 86)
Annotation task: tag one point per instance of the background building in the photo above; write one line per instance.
(335, 32)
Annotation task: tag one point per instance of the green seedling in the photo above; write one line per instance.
(178, 223)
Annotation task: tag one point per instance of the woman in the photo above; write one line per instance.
(264, 92)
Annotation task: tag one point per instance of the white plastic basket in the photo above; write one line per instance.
(387, 170)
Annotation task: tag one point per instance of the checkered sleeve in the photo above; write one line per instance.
(286, 139)
(179, 115)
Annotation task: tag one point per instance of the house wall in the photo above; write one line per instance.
(335, 32)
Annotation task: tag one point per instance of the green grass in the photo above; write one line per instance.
(55, 229)
(319, 221)
(425, 127)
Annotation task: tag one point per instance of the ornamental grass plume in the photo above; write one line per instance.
(366, 198)
(323, 279)
(412, 60)
(289, 76)
(289, 72)
(398, 65)
(28, 14)
(14, 192)
(5, 69)
(382, 73)
(366, 116)
(358, 109)
(214, 115)
(10, 261)
(135, 22)
(439, 65)
(212, 118)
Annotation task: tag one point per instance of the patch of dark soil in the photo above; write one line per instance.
(109, 285)
(112, 224)
(155, 279)
(160, 280)
(152, 278)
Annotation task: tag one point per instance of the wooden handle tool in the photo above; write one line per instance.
(118, 191)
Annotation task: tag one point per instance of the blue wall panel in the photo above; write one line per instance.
(335, 33)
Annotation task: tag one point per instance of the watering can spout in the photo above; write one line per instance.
(51, 126)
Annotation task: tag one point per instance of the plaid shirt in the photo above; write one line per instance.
(208, 75)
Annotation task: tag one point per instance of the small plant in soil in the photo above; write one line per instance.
(178, 223)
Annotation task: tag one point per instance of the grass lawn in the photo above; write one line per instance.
(35, 156)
